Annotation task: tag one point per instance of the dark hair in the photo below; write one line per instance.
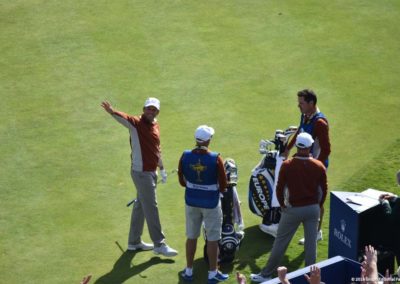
(308, 95)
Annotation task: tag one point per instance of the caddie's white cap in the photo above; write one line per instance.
(203, 133)
(304, 140)
(152, 102)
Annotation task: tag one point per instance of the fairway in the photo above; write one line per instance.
(234, 65)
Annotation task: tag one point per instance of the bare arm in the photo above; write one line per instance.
(370, 264)
(387, 196)
(315, 275)
(282, 270)
(241, 279)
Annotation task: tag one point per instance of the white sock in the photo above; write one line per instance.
(189, 271)
(211, 274)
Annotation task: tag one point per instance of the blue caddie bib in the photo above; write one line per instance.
(200, 172)
(309, 128)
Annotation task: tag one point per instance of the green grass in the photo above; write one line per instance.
(235, 65)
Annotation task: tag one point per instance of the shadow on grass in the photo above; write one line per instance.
(254, 245)
(200, 271)
(295, 263)
(123, 270)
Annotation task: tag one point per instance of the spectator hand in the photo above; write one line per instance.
(315, 275)
(241, 279)
(369, 265)
(386, 196)
(370, 256)
(164, 175)
(282, 270)
(363, 275)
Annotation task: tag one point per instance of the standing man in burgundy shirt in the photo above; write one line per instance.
(301, 192)
(314, 122)
(146, 157)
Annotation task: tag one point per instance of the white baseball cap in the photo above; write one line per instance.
(203, 133)
(152, 102)
(304, 140)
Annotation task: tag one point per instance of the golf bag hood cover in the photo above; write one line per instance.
(228, 244)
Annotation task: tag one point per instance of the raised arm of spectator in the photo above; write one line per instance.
(241, 279)
(369, 270)
(282, 270)
(315, 275)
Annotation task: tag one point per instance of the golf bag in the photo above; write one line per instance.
(231, 235)
(262, 195)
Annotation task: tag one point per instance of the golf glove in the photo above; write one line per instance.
(163, 174)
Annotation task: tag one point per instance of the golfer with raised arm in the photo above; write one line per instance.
(146, 157)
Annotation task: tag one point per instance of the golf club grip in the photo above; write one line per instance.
(130, 202)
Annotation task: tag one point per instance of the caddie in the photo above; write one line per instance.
(202, 174)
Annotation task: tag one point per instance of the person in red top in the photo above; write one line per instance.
(314, 122)
(301, 191)
(145, 157)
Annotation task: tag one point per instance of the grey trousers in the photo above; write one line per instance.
(145, 208)
(291, 218)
